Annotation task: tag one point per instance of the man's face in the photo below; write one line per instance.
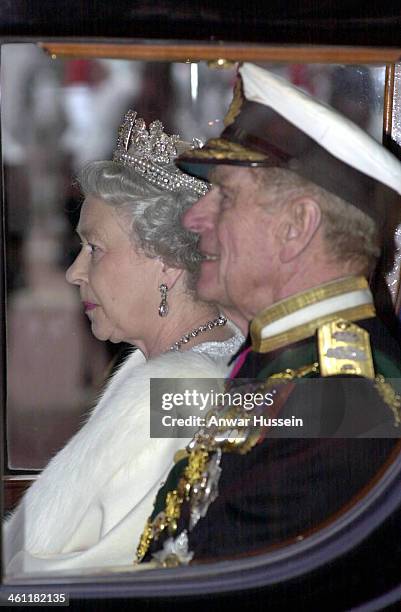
(237, 238)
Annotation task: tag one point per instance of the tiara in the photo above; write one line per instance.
(151, 153)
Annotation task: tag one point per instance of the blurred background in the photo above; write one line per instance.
(56, 115)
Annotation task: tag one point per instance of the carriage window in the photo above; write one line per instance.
(56, 115)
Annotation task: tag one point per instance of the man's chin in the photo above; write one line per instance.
(209, 291)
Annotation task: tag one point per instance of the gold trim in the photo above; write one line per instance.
(306, 298)
(180, 454)
(366, 311)
(144, 541)
(236, 103)
(167, 518)
(219, 148)
(290, 374)
(390, 397)
(344, 348)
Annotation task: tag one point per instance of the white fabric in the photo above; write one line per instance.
(314, 311)
(333, 131)
(90, 504)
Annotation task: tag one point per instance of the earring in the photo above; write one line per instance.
(163, 308)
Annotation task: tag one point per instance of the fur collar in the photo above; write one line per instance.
(116, 433)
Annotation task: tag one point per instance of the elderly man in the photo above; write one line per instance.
(290, 230)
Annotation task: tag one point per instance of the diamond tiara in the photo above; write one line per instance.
(151, 153)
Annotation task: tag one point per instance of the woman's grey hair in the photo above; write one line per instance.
(154, 215)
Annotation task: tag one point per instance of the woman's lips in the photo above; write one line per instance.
(89, 306)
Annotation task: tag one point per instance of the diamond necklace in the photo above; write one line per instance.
(219, 322)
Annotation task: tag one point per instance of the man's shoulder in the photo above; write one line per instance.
(345, 379)
(384, 350)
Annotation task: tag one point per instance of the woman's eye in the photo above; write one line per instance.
(91, 248)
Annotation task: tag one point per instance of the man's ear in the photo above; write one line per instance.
(300, 224)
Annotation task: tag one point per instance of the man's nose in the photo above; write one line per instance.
(202, 215)
(77, 272)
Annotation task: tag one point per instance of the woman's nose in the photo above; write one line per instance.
(77, 273)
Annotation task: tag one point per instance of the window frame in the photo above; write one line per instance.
(335, 538)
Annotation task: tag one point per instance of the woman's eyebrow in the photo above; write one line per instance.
(86, 232)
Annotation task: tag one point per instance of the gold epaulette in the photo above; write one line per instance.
(344, 348)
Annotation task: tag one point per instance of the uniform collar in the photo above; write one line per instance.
(299, 316)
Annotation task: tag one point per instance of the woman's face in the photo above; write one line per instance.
(118, 284)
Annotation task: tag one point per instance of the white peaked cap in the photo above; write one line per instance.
(331, 130)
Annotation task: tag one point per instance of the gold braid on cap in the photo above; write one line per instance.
(236, 102)
(151, 153)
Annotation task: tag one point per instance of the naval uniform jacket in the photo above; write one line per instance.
(284, 488)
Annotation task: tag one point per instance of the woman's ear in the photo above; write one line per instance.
(169, 276)
(299, 226)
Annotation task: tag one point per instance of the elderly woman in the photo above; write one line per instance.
(135, 275)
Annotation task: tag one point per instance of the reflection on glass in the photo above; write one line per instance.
(57, 115)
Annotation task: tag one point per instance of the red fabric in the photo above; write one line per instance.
(78, 71)
(239, 362)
